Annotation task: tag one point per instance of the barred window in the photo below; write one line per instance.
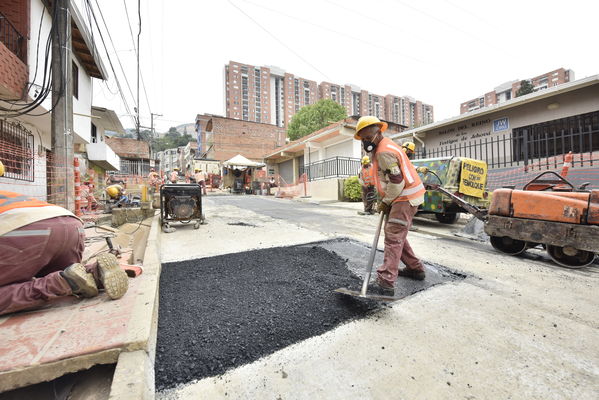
(16, 151)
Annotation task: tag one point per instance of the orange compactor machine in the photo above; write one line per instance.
(548, 212)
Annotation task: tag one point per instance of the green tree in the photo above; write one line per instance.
(314, 117)
(171, 140)
(525, 88)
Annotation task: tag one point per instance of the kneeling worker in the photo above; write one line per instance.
(402, 192)
(42, 247)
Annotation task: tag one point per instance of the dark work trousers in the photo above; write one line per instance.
(396, 243)
(368, 198)
(31, 259)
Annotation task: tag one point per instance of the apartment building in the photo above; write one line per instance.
(271, 95)
(508, 90)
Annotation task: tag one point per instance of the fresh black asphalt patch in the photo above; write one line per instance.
(221, 312)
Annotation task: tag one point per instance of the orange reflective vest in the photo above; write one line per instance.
(368, 175)
(12, 200)
(413, 185)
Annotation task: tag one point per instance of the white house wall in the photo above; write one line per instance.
(37, 188)
(83, 105)
(343, 149)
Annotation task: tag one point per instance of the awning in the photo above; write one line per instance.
(241, 161)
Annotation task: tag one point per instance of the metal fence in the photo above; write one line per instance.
(11, 38)
(17, 151)
(334, 167)
(527, 147)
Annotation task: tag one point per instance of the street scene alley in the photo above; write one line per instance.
(256, 199)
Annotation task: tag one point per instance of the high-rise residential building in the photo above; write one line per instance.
(271, 95)
(507, 91)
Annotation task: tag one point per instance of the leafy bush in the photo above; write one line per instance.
(352, 189)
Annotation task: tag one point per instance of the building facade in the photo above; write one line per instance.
(25, 136)
(508, 90)
(523, 136)
(223, 138)
(271, 95)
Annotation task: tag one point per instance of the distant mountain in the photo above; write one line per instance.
(189, 129)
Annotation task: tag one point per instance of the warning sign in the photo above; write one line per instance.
(473, 177)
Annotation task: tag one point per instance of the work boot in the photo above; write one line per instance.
(415, 274)
(112, 277)
(384, 287)
(82, 283)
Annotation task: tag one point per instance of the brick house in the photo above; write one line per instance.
(134, 155)
(25, 136)
(223, 138)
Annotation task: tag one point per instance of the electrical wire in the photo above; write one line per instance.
(115, 53)
(118, 83)
(143, 83)
(19, 108)
(279, 40)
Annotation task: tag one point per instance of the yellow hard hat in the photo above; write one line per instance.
(368, 120)
(409, 145)
(175, 169)
(1, 169)
(197, 170)
(112, 191)
(365, 160)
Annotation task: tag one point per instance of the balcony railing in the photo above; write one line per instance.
(11, 38)
(334, 167)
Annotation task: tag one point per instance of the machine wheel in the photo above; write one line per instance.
(447, 218)
(185, 222)
(508, 245)
(570, 257)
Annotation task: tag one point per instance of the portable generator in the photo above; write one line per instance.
(181, 203)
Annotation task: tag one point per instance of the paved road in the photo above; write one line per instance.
(516, 327)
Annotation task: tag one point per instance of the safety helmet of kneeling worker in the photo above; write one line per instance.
(367, 121)
(175, 169)
(1, 169)
(365, 160)
(409, 146)
(197, 170)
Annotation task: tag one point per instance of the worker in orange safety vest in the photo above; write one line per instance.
(401, 192)
(42, 248)
(367, 179)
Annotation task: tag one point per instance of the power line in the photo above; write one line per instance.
(278, 40)
(113, 46)
(338, 32)
(444, 22)
(118, 83)
(143, 83)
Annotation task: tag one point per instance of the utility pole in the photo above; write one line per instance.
(152, 122)
(62, 185)
(138, 51)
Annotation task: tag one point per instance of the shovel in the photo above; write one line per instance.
(362, 293)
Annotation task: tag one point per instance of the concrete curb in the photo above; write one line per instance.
(134, 374)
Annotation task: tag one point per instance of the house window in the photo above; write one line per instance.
(94, 135)
(16, 151)
(75, 81)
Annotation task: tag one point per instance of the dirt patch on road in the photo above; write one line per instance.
(221, 312)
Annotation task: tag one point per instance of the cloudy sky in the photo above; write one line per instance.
(442, 52)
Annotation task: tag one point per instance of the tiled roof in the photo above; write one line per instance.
(129, 148)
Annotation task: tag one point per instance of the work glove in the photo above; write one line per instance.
(422, 170)
(383, 207)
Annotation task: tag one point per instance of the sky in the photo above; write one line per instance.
(442, 52)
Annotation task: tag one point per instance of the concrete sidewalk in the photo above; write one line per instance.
(74, 334)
